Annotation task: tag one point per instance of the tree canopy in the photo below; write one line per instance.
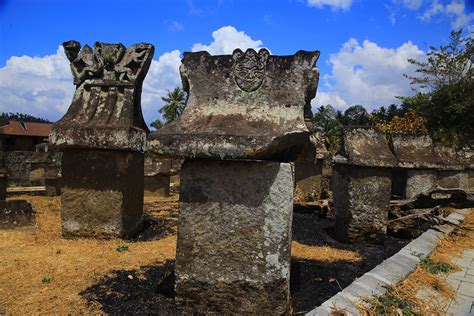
(175, 102)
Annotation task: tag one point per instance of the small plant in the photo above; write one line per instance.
(434, 267)
(391, 303)
(50, 205)
(121, 248)
(436, 285)
(46, 280)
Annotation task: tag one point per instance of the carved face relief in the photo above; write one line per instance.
(249, 68)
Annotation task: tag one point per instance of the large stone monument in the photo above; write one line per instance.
(309, 169)
(451, 174)
(3, 173)
(243, 123)
(416, 155)
(362, 180)
(157, 175)
(103, 137)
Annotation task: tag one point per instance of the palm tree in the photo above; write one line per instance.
(175, 102)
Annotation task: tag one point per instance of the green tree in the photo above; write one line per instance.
(325, 121)
(444, 86)
(175, 102)
(355, 115)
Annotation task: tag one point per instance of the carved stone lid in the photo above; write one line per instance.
(415, 151)
(365, 146)
(105, 112)
(314, 149)
(448, 156)
(248, 105)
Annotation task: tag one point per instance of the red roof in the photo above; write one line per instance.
(26, 129)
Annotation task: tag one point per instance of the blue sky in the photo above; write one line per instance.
(364, 44)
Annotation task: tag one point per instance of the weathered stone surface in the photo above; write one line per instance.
(16, 213)
(242, 106)
(102, 193)
(157, 175)
(361, 201)
(157, 185)
(3, 173)
(233, 250)
(448, 157)
(308, 180)
(105, 112)
(365, 146)
(453, 179)
(309, 169)
(415, 151)
(420, 181)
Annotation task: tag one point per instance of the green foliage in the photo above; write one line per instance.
(445, 90)
(435, 267)
(354, 115)
(325, 121)
(157, 124)
(121, 248)
(175, 102)
(5, 117)
(391, 303)
(46, 280)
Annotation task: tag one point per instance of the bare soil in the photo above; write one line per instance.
(45, 274)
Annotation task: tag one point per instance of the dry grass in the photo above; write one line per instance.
(30, 254)
(322, 253)
(436, 292)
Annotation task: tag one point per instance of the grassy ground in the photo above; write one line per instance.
(42, 273)
(428, 278)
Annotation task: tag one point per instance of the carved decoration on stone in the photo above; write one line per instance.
(105, 111)
(249, 68)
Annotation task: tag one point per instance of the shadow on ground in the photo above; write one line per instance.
(150, 289)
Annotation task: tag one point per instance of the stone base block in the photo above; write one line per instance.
(419, 181)
(471, 181)
(157, 185)
(16, 213)
(3, 188)
(361, 202)
(102, 193)
(453, 179)
(234, 237)
(53, 187)
(308, 180)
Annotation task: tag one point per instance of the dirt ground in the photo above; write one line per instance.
(41, 273)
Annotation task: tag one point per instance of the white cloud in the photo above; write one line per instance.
(42, 86)
(39, 86)
(367, 74)
(225, 40)
(334, 4)
(413, 4)
(163, 75)
(455, 10)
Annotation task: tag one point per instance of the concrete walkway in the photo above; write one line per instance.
(463, 283)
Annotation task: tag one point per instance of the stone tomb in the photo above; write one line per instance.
(362, 180)
(452, 174)
(309, 169)
(103, 137)
(466, 156)
(243, 123)
(3, 173)
(157, 175)
(417, 162)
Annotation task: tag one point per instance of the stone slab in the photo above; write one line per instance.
(234, 235)
(361, 201)
(102, 193)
